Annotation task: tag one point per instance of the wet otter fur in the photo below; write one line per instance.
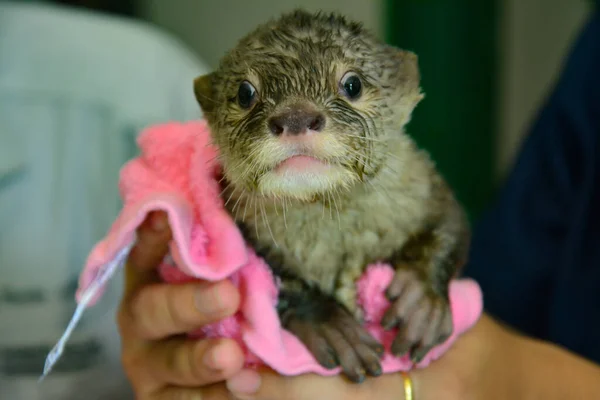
(308, 112)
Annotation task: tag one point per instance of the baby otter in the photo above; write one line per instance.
(308, 112)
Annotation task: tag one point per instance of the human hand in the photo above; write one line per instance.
(160, 362)
(473, 368)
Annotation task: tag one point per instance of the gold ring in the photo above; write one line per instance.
(408, 386)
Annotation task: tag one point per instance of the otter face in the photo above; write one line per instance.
(304, 104)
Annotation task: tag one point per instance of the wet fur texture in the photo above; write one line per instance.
(380, 199)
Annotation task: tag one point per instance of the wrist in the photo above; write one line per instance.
(504, 361)
(488, 366)
(514, 369)
(484, 363)
(551, 372)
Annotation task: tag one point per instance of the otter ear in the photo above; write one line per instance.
(402, 67)
(204, 92)
(406, 72)
(410, 68)
(407, 65)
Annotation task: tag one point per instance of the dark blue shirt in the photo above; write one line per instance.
(536, 253)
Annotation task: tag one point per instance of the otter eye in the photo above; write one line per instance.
(352, 86)
(246, 94)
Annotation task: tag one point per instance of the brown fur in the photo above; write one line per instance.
(381, 200)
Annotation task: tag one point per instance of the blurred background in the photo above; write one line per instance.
(79, 79)
(486, 65)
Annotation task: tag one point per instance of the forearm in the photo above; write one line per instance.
(548, 372)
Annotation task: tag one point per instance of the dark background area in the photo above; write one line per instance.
(119, 7)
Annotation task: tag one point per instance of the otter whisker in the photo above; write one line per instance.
(245, 208)
(392, 155)
(224, 190)
(253, 165)
(255, 218)
(337, 210)
(266, 222)
(284, 213)
(211, 160)
(377, 189)
(230, 195)
(358, 157)
(237, 202)
(222, 179)
(367, 139)
(199, 94)
(355, 155)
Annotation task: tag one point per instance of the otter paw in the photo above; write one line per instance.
(339, 340)
(422, 316)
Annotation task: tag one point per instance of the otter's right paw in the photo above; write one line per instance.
(335, 338)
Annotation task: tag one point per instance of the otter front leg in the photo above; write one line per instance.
(419, 291)
(328, 329)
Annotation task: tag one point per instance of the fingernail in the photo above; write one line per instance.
(215, 356)
(246, 382)
(159, 222)
(213, 300)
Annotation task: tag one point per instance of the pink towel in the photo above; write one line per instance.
(177, 172)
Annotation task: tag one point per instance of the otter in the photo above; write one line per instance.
(308, 112)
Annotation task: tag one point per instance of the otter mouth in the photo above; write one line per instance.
(301, 176)
(301, 164)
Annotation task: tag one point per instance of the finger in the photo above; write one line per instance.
(212, 392)
(161, 310)
(152, 245)
(193, 363)
(266, 385)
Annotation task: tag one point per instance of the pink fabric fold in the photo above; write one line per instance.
(178, 172)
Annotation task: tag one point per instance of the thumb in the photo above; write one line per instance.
(152, 245)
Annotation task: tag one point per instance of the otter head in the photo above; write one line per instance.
(304, 105)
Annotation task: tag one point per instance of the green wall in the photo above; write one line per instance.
(456, 44)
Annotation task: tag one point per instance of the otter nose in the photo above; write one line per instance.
(297, 121)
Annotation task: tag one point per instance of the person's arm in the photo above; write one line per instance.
(490, 362)
(514, 366)
(546, 371)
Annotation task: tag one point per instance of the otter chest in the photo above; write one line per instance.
(319, 242)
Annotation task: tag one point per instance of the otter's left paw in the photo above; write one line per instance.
(335, 338)
(422, 315)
